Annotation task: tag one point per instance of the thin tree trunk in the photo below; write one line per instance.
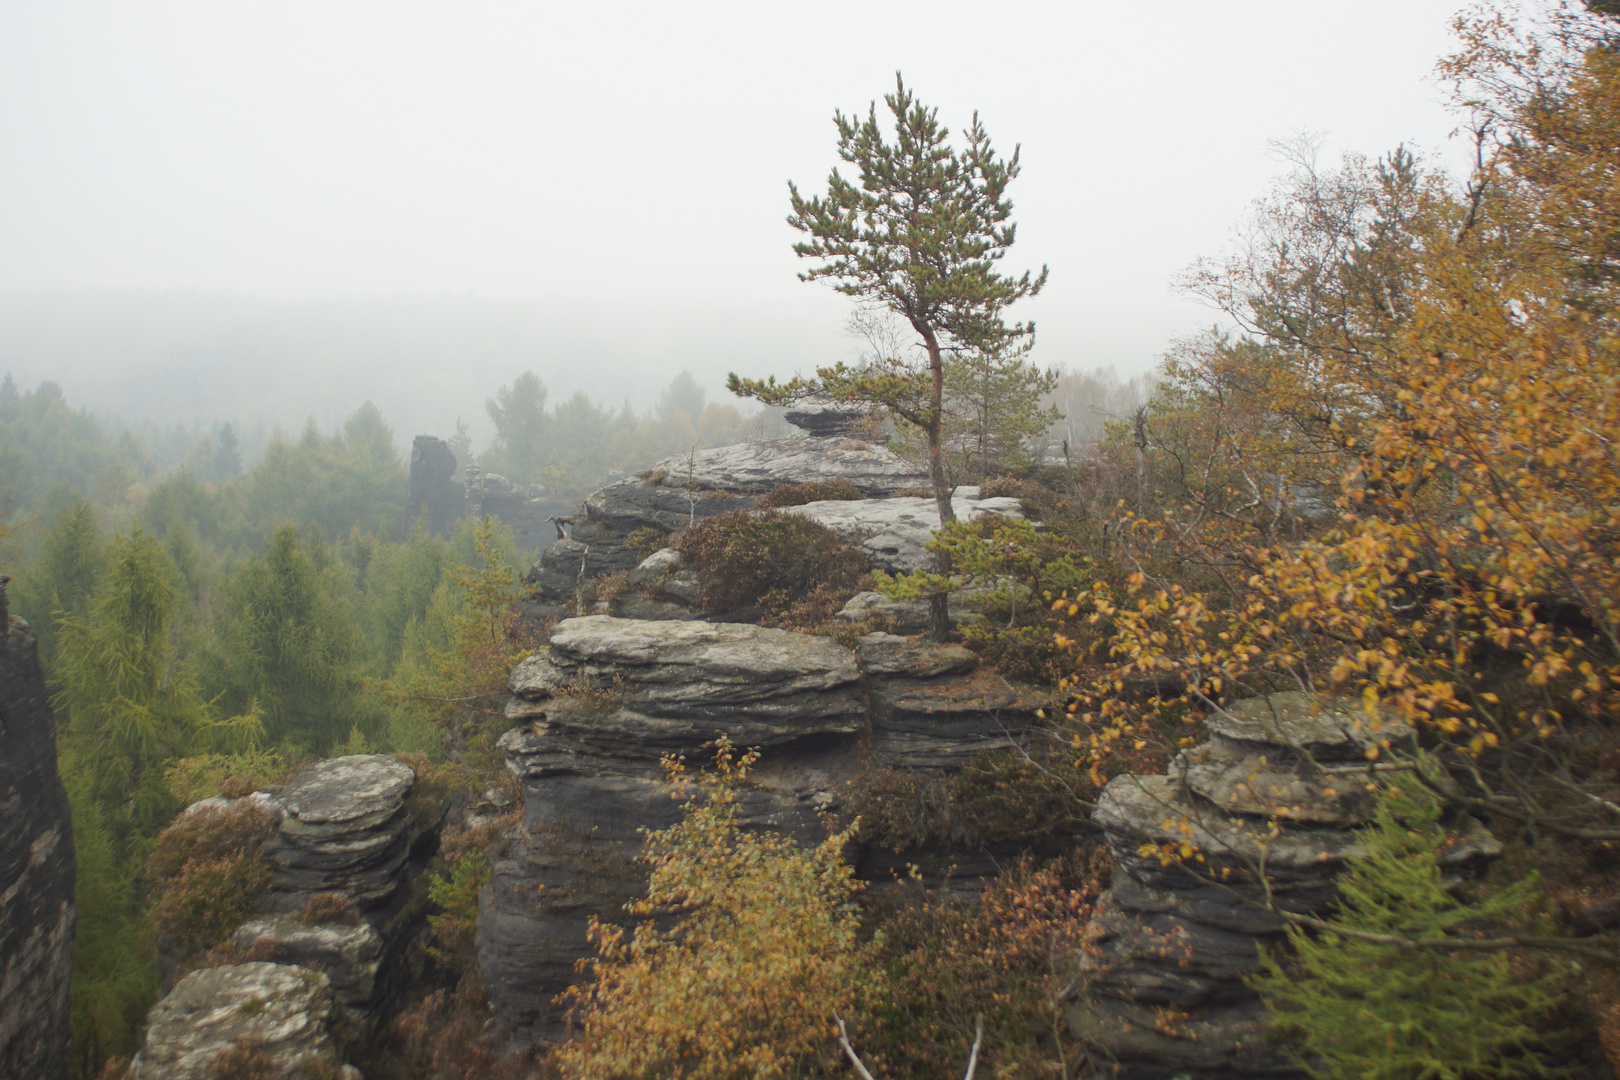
(939, 612)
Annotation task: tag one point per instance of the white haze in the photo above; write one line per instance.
(264, 211)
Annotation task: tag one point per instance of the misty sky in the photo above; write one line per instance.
(612, 177)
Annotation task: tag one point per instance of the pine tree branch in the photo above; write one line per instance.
(1584, 946)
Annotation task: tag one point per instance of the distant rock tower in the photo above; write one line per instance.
(432, 493)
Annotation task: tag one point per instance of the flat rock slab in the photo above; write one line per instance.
(1257, 786)
(913, 658)
(943, 723)
(1309, 724)
(1134, 810)
(282, 1011)
(892, 532)
(757, 467)
(660, 665)
(341, 790)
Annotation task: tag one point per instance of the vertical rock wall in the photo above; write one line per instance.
(36, 868)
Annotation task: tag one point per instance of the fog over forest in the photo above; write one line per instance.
(475, 604)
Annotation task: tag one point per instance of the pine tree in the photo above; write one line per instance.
(994, 398)
(921, 235)
(521, 428)
(1379, 1011)
(227, 455)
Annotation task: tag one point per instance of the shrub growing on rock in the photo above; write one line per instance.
(746, 980)
(811, 491)
(210, 872)
(1010, 959)
(771, 559)
(646, 540)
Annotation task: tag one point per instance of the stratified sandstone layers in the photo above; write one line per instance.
(1282, 784)
(36, 867)
(683, 489)
(266, 1020)
(610, 697)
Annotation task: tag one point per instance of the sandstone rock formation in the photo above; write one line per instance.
(349, 954)
(1285, 777)
(349, 828)
(36, 867)
(271, 1020)
(832, 421)
(345, 830)
(433, 495)
(683, 489)
(598, 710)
(893, 531)
(340, 938)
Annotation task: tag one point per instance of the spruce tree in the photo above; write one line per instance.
(1380, 1011)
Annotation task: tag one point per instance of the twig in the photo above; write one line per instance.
(978, 1037)
(854, 1058)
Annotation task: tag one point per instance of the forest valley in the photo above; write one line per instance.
(1392, 482)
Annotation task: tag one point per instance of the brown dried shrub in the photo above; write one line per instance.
(209, 872)
(837, 489)
(328, 907)
(646, 540)
(768, 558)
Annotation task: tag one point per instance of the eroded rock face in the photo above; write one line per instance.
(611, 697)
(345, 830)
(892, 532)
(279, 1014)
(680, 490)
(36, 867)
(1284, 776)
(349, 954)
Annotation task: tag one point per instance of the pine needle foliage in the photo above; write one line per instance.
(745, 981)
(1376, 1011)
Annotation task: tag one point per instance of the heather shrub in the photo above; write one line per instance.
(1010, 958)
(328, 907)
(768, 558)
(998, 797)
(646, 540)
(836, 489)
(209, 873)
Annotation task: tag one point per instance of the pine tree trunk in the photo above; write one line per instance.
(939, 613)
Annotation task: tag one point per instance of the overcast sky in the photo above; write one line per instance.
(623, 167)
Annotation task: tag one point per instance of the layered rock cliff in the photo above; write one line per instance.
(338, 941)
(1280, 788)
(36, 867)
(599, 708)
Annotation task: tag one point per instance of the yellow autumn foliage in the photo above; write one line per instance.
(746, 949)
